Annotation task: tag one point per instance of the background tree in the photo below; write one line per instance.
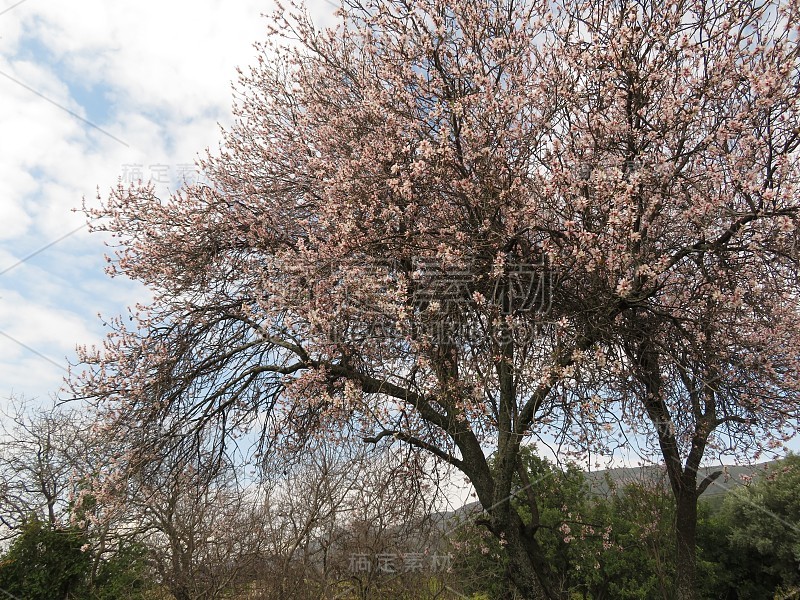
(677, 167)
(214, 527)
(43, 454)
(54, 562)
(462, 224)
(344, 520)
(392, 521)
(48, 454)
(754, 537)
(639, 557)
(200, 526)
(125, 573)
(45, 562)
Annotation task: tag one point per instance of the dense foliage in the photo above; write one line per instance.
(618, 545)
(45, 563)
(755, 537)
(55, 563)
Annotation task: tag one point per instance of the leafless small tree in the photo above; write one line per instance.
(42, 454)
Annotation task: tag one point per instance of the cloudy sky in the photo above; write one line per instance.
(92, 92)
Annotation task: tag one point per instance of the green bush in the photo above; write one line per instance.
(45, 563)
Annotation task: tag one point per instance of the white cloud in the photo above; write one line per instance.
(39, 336)
(155, 75)
(155, 55)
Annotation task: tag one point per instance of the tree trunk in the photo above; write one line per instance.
(685, 538)
(527, 569)
(523, 573)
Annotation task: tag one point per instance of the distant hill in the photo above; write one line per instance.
(733, 477)
(598, 482)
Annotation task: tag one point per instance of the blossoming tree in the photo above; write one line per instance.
(679, 169)
(452, 224)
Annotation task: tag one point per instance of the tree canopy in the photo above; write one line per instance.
(462, 225)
